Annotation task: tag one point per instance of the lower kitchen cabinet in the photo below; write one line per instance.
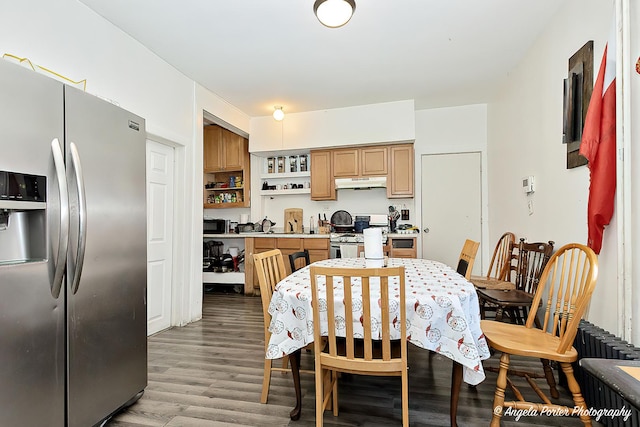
(403, 247)
(318, 248)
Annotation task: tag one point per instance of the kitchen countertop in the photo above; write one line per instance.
(402, 235)
(292, 235)
(285, 235)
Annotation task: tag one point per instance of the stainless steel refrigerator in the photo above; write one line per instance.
(73, 346)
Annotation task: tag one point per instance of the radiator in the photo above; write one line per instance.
(594, 342)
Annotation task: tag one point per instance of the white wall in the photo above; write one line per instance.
(69, 38)
(356, 202)
(453, 130)
(363, 124)
(525, 138)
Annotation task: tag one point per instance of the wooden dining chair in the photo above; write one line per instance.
(563, 293)
(531, 260)
(499, 273)
(372, 352)
(386, 249)
(515, 303)
(467, 258)
(270, 269)
(294, 257)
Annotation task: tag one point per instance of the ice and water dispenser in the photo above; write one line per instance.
(22, 217)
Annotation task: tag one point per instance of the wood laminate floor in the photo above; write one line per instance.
(209, 373)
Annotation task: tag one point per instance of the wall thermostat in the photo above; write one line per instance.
(527, 184)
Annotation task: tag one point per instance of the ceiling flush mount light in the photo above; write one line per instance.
(334, 13)
(278, 114)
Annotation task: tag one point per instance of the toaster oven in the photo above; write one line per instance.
(215, 226)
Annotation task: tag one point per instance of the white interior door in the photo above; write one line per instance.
(451, 206)
(160, 179)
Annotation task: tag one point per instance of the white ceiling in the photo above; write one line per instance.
(259, 53)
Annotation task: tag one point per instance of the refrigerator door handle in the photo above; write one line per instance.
(63, 238)
(82, 217)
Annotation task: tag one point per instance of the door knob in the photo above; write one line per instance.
(426, 230)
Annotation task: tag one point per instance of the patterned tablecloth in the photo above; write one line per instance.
(442, 312)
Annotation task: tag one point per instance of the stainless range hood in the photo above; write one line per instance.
(361, 183)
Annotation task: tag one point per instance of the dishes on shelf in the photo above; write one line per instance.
(286, 175)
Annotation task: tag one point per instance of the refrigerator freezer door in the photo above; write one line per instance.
(32, 343)
(107, 312)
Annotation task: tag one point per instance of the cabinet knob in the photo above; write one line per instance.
(426, 230)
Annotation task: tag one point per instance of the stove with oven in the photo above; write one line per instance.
(336, 239)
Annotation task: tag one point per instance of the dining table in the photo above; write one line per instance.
(443, 316)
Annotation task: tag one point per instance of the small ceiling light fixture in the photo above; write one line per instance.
(334, 13)
(278, 114)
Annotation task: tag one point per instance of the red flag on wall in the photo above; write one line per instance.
(598, 146)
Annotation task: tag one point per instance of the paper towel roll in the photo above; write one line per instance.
(374, 263)
(244, 218)
(373, 243)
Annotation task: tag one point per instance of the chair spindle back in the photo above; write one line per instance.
(500, 266)
(371, 331)
(567, 283)
(532, 258)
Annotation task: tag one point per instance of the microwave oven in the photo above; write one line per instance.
(215, 226)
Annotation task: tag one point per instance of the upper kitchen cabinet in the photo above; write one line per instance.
(360, 162)
(401, 171)
(373, 161)
(234, 148)
(223, 150)
(212, 148)
(346, 163)
(227, 177)
(322, 182)
(395, 162)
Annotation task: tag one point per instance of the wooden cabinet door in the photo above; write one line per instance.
(212, 148)
(233, 148)
(254, 246)
(318, 249)
(401, 174)
(288, 246)
(403, 253)
(346, 163)
(373, 161)
(405, 247)
(317, 255)
(322, 183)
